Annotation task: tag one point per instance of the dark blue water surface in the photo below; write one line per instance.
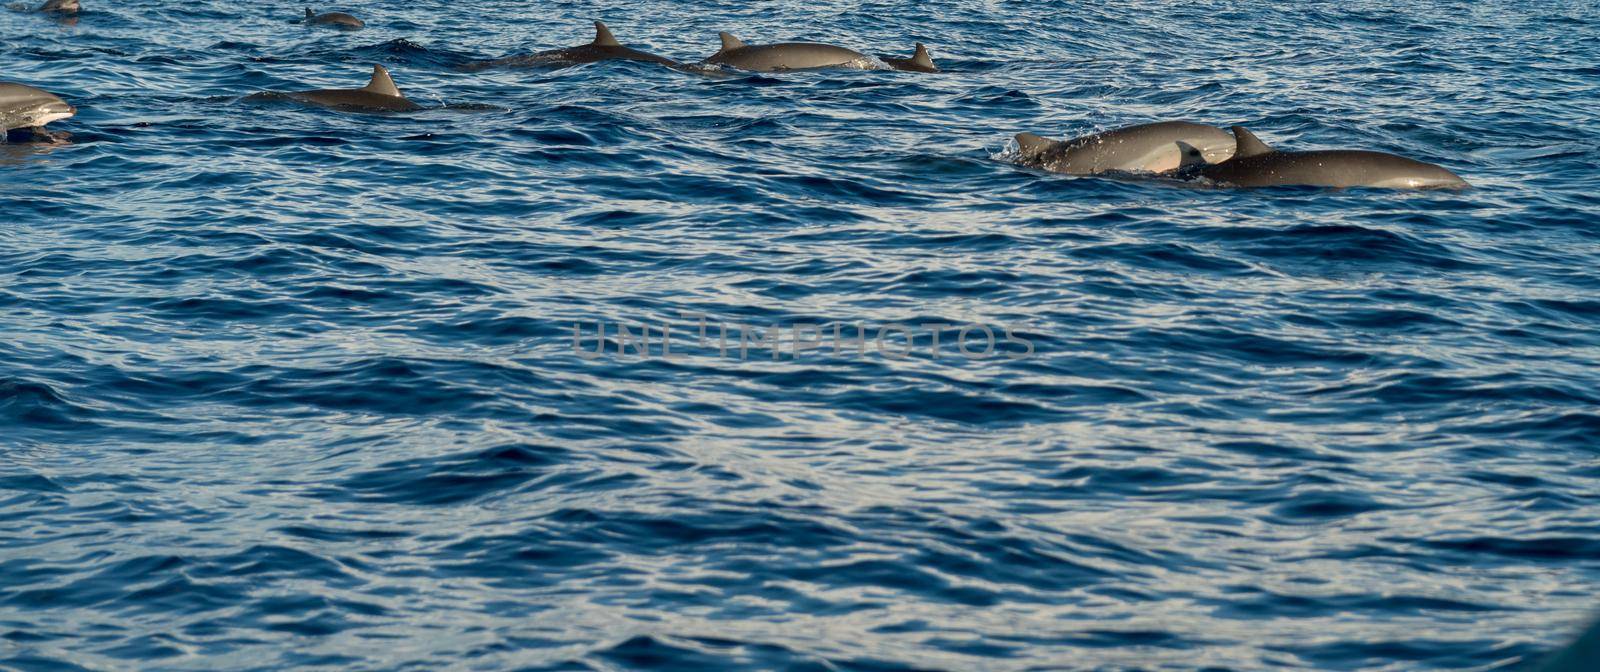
(287, 387)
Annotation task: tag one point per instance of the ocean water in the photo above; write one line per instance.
(291, 388)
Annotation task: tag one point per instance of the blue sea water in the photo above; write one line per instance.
(290, 388)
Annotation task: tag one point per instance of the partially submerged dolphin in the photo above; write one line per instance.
(24, 107)
(336, 19)
(61, 6)
(920, 61)
(605, 47)
(1254, 164)
(1152, 148)
(378, 94)
(774, 57)
(1582, 655)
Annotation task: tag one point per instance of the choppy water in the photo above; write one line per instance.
(287, 387)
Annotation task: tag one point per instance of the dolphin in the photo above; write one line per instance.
(61, 6)
(775, 57)
(605, 47)
(919, 61)
(339, 20)
(378, 94)
(1254, 164)
(22, 106)
(1583, 655)
(1152, 148)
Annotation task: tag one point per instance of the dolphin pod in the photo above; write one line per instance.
(1173, 148)
(734, 53)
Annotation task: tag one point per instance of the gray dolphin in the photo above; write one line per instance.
(1254, 164)
(61, 6)
(1152, 148)
(775, 57)
(378, 94)
(1582, 655)
(605, 47)
(339, 20)
(919, 61)
(22, 106)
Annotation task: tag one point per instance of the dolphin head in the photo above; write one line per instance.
(62, 6)
(22, 106)
(55, 110)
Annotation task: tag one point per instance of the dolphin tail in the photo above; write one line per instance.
(1029, 144)
(1248, 144)
(922, 59)
(729, 42)
(382, 83)
(603, 37)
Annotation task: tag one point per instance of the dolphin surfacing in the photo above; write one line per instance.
(920, 61)
(23, 106)
(1255, 164)
(776, 57)
(338, 20)
(605, 47)
(1145, 148)
(380, 94)
(1583, 655)
(61, 7)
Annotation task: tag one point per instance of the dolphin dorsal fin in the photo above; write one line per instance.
(729, 42)
(1029, 144)
(1189, 156)
(921, 58)
(1248, 144)
(603, 37)
(310, 13)
(382, 83)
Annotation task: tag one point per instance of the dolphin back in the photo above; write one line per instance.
(1342, 168)
(380, 93)
(785, 56)
(920, 61)
(336, 19)
(1145, 148)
